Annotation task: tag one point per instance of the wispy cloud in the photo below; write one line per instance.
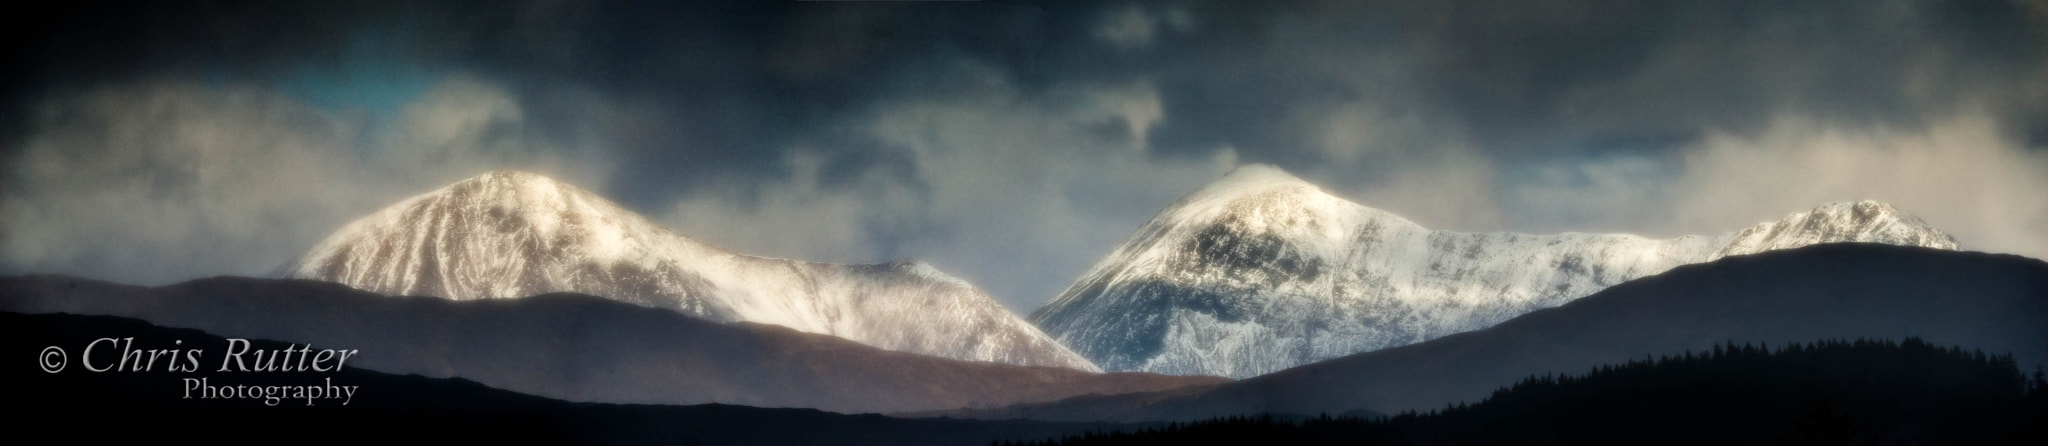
(159, 182)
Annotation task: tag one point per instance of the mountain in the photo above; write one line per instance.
(1262, 271)
(154, 406)
(1993, 302)
(577, 347)
(513, 234)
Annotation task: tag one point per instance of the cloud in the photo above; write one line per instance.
(1015, 191)
(1139, 109)
(1612, 193)
(801, 216)
(1014, 142)
(464, 126)
(1963, 174)
(165, 181)
(1132, 27)
(1413, 164)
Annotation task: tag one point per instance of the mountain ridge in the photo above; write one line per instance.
(510, 234)
(1260, 271)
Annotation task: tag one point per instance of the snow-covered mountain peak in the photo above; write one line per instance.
(1261, 271)
(514, 199)
(1258, 188)
(514, 194)
(1248, 179)
(509, 234)
(1263, 200)
(508, 179)
(1850, 221)
(483, 236)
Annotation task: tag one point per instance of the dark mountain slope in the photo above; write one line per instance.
(578, 348)
(78, 405)
(1833, 392)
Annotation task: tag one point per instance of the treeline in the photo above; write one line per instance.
(1833, 392)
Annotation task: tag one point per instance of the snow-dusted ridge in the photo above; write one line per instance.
(1261, 271)
(513, 234)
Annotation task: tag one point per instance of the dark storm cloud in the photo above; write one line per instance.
(1013, 142)
(1562, 77)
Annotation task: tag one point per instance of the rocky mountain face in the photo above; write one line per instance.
(1262, 271)
(513, 234)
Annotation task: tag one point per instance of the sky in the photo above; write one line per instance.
(1011, 144)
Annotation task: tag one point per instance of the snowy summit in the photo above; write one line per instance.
(1261, 271)
(514, 234)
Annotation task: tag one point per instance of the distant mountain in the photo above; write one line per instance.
(1997, 303)
(513, 234)
(153, 406)
(1262, 271)
(578, 347)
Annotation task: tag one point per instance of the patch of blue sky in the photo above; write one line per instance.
(373, 78)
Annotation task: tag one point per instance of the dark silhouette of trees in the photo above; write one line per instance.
(1831, 392)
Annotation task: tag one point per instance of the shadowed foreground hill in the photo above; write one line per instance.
(578, 348)
(1834, 392)
(1997, 303)
(78, 405)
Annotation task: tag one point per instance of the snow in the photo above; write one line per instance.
(1261, 271)
(513, 234)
